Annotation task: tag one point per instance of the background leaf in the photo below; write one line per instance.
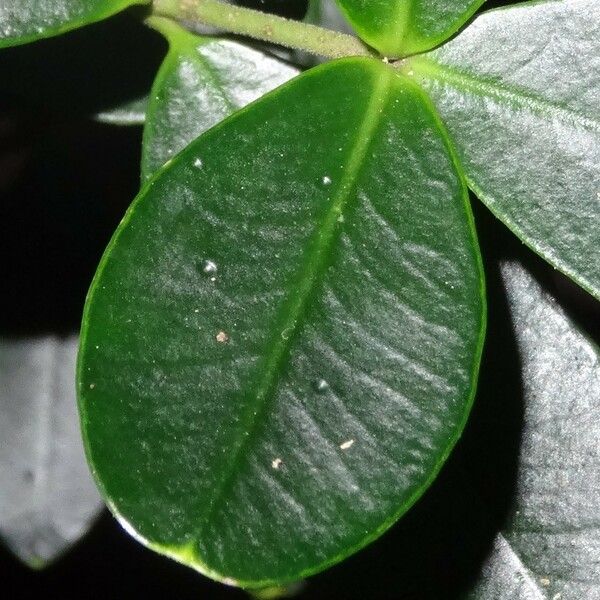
(131, 112)
(326, 13)
(201, 81)
(548, 547)
(401, 27)
(47, 500)
(518, 90)
(23, 21)
(282, 339)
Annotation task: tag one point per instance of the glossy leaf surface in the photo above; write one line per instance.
(47, 498)
(519, 90)
(280, 346)
(549, 546)
(201, 81)
(401, 27)
(23, 21)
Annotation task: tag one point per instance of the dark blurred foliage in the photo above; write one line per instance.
(66, 180)
(293, 9)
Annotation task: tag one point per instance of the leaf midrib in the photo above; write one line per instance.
(291, 312)
(216, 78)
(402, 21)
(483, 86)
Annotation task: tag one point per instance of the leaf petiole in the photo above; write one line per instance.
(265, 27)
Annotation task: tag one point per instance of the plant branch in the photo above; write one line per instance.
(263, 26)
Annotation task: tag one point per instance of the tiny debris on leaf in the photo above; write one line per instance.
(222, 337)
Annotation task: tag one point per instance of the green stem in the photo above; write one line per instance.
(263, 26)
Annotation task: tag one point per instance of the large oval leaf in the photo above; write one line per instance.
(281, 343)
(402, 27)
(201, 81)
(48, 500)
(519, 92)
(548, 547)
(23, 21)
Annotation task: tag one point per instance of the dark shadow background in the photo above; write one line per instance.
(65, 182)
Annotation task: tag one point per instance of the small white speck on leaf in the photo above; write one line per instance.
(198, 163)
(222, 337)
(544, 581)
(326, 180)
(321, 386)
(347, 444)
(209, 267)
(92, 386)
(276, 463)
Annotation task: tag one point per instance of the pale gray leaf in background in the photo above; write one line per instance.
(130, 113)
(550, 546)
(47, 497)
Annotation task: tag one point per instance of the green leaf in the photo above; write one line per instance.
(548, 547)
(402, 27)
(48, 499)
(281, 343)
(518, 90)
(201, 81)
(23, 21)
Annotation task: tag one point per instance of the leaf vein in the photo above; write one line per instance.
(502, 92)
